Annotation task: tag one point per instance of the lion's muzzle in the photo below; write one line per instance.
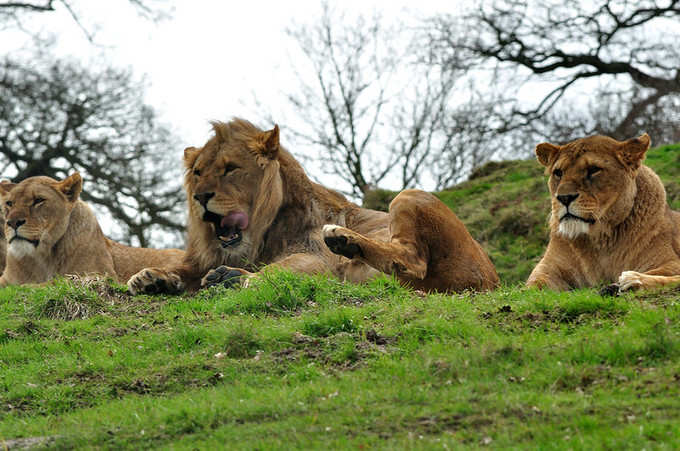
(229, 228)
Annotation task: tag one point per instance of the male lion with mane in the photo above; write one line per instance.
(610, 220)
(251, 204)
(50, 232)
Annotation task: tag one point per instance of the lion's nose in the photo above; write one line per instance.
(203, 198)
(16, 223)
(566, 199)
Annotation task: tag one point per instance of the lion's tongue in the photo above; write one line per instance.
(235, 219)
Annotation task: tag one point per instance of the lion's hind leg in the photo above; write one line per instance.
(394, 257)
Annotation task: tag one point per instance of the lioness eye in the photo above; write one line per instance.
(197, 172)
(557, 173)
(230, 167)
(592, 170)
(38, 200)
(8, 203)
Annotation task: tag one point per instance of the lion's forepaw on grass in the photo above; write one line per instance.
(226, 276)
(155, 280)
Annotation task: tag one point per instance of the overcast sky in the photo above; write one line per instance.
(205, 61)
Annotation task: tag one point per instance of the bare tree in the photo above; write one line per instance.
(58, 117)
(372, 108)
(16, 13)
(623, 53)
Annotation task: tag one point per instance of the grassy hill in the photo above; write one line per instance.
(310, 362)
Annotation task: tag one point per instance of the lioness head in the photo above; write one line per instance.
(592, 182)
(37, 212)
(234, 190)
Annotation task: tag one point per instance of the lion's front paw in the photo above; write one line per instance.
(630, 280)
(223, 275)
(339, 241)
(155, 280)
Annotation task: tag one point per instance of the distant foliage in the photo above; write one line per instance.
(57, 117)
(562, 70)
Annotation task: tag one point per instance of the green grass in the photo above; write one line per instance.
(310, 362)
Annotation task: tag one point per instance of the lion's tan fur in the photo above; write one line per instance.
(3, 242)
(287, 211)
(634, 238)
(70, 239)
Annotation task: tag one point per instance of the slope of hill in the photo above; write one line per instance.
(300, 362)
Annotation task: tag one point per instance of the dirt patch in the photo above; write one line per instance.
(489, 168)
(28, 442)
(506, 317)
(374, 337)
(441, 423)
(26, 329)
(343, 351)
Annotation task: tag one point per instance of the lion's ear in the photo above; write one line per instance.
(71, 186)
(190, 155)
(270, 140)
(6, 186)
(634, 150)
(546, 153)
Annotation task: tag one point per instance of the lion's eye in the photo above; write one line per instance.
(9, 203)
(557, 173)
(228, 168)
(592, 170)
(38, 200)
(197, 173)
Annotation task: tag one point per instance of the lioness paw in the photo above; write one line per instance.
(630, 280)
(154, 280)
(223, 275)
(339, 241)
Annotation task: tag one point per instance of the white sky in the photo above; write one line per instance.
(207, 60)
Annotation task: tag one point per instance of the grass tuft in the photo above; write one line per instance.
(242, 343)
(63, 300)
(330, 323)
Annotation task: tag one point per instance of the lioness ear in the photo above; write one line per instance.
(271, 142)
(546, 153)
(190, 155)
(71, 186)
(634, 150)
(6, 186)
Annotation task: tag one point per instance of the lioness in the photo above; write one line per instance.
(610, 220)
(50, 231)
(251, 204)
